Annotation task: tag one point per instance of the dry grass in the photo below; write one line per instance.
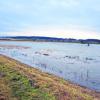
(57, 87)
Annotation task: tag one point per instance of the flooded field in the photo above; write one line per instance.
(77, 63)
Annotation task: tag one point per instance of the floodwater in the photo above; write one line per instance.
(78, 63)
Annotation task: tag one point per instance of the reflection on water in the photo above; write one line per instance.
(75, 62)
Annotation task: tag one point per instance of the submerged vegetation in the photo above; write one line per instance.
(21, 82)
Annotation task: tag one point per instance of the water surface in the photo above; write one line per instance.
(77, 63)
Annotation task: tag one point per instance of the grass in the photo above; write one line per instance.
(21, 82)
(21, 87)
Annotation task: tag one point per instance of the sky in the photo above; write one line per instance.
(55, 18)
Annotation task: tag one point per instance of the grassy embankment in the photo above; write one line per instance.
(21, 82)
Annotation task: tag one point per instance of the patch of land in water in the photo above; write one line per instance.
(22, 82)
(14, 47)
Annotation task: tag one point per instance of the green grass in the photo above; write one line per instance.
(21, 87)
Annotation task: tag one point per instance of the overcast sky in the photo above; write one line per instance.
(58, 18)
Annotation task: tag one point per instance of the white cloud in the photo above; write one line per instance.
(31, 13)
(64, 32)
(61, 34)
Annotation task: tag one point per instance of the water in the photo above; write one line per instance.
(77, 63)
